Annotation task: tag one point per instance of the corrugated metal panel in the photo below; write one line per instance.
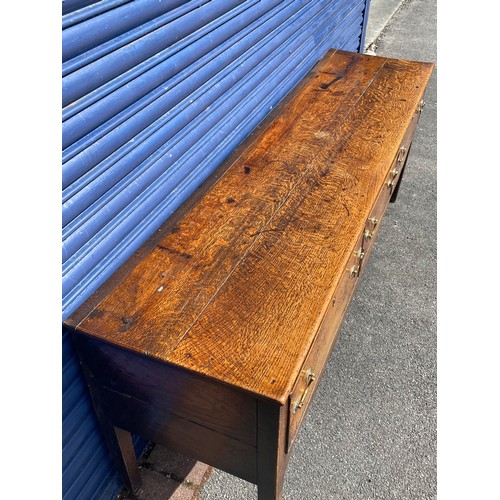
(156, 94)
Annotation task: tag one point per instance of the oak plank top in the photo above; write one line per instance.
(237, 290)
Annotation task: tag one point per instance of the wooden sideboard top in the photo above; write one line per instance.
(238, 288)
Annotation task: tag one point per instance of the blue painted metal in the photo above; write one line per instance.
(143, 130)
(82, 37)
(69, 6)
(366, 14)
(89, 11)
(150, 117)
(180, 113)
(173, 36)
(127, 37)
(116, 96)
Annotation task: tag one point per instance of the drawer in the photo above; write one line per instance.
(408, 138)
(311, 371)
(377, 213)
(313, 366)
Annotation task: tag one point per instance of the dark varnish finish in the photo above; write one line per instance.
(213, 341)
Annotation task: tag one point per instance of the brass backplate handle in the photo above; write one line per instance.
(359, 253)
(353, 272)
(299, 402)
(401, 155)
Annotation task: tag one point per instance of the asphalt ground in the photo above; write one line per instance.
(371, 430)
(380, 14)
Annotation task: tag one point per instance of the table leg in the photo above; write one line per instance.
(271, 457)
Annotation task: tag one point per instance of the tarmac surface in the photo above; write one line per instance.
(370, 431)
(379, 16)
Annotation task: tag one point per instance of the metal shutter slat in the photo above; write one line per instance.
(82, 37)
(127, 62)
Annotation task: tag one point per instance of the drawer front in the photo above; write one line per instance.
(374, 220)
(312, 369)
(313, 366)
(377, 213)
(406, 142)
(408, 137)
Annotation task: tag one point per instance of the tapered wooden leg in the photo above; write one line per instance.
(125, 460)
(271, 457)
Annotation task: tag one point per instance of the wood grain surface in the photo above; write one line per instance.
(238, 289)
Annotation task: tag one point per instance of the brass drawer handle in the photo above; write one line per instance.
(369, 234)
(373, 220)
(359, 254)
(353, 272)
(401, 154)
(299, 402)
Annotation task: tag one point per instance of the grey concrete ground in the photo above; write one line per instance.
(370, 431)
(381, 12)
